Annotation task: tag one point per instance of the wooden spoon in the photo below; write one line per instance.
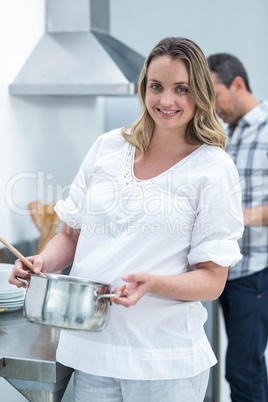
(19, 255)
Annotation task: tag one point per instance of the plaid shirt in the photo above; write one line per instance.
(248, 147)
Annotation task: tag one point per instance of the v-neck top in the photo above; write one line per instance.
(166, 225)
(129, 168)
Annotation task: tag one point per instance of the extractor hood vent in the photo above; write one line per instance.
(77, 55)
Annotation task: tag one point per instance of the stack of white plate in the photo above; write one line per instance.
(11, 297)
(12, 300)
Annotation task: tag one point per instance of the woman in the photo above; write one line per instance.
(149, 212)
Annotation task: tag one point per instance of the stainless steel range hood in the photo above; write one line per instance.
(77, 55)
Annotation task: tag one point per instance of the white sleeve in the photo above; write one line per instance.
(219, 219)
(71, 210)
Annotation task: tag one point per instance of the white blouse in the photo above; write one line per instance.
(165, 225)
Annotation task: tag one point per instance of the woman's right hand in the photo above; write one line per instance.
(20, 270)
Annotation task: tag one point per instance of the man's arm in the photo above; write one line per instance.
(256, 216)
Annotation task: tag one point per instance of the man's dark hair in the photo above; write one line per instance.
(227, 67)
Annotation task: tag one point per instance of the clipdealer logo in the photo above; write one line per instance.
(152, 200)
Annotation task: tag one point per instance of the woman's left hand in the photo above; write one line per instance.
(136, 287)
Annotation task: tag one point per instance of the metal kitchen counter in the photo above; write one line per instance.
(28, 359)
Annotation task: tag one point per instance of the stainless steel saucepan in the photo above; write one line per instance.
(65, 302)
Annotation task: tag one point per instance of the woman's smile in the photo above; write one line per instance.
(168, 113)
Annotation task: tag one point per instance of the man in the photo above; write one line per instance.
(245, 298)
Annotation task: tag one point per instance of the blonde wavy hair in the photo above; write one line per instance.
(205, 127)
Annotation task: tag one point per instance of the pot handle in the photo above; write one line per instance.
(23, 281)
(107, 296)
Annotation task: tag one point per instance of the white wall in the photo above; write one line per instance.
(234, 26)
